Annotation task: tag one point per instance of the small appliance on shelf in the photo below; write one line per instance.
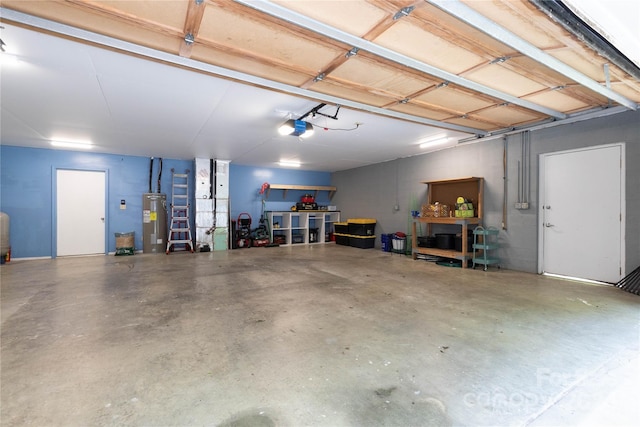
(307, 203)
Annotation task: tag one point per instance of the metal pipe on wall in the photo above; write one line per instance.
(150, 175)
(523, 156)
(525, 195)
(504, 181)
(519, 185)
(160, 174)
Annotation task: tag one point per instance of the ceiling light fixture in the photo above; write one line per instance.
(71, 144)
(289, 163)
(433, 141)
(296, 128)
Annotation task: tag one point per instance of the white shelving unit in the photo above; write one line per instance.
(298, 227)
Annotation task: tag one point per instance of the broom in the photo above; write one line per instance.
(631, 282)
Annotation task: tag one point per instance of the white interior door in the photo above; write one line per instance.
(80, 212)
(581, 212)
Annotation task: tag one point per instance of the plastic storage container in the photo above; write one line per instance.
(445, 241)
(399, 243)
(362, 226)
(362, 242)
(342, 239)
(341, 227)
(386, 242)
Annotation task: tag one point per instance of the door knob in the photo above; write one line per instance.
(548, 224)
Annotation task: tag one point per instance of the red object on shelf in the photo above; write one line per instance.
(307, 198)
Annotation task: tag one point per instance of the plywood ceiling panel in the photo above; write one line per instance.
(168, 12)
(505, 80)
(436, 21)
(423, 46)
(629, 92)
(150, 34)
(333, 88)
(248, 65)
(420, 111)
(461, 121)
(269, 41)
(454, 100)
(557, 99)
(507, 115)
(367, 72)
(528, 67)
(355, 17)
(593, 68)
(522, 24)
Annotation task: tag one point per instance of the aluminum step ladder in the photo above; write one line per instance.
(180, 229)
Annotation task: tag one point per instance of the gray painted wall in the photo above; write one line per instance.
(373, 191)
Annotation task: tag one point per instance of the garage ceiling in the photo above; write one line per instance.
(215, 78)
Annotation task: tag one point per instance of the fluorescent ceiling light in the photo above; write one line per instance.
(433, 141)
(289, 163)
(296, 128)
(71, 144)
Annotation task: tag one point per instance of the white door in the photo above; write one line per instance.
(80, 211)
(581, 213)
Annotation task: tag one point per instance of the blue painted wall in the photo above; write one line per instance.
(27, 192)
(245, 183)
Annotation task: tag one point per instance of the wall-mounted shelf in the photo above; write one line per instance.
(314, 188)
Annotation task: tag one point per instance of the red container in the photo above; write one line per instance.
(307, 198)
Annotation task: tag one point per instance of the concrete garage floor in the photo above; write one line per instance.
(310, 336)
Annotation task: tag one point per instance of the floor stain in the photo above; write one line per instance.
(385, 392)
(250, 419)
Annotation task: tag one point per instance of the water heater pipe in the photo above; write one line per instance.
(150, 174)
(159, 173)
